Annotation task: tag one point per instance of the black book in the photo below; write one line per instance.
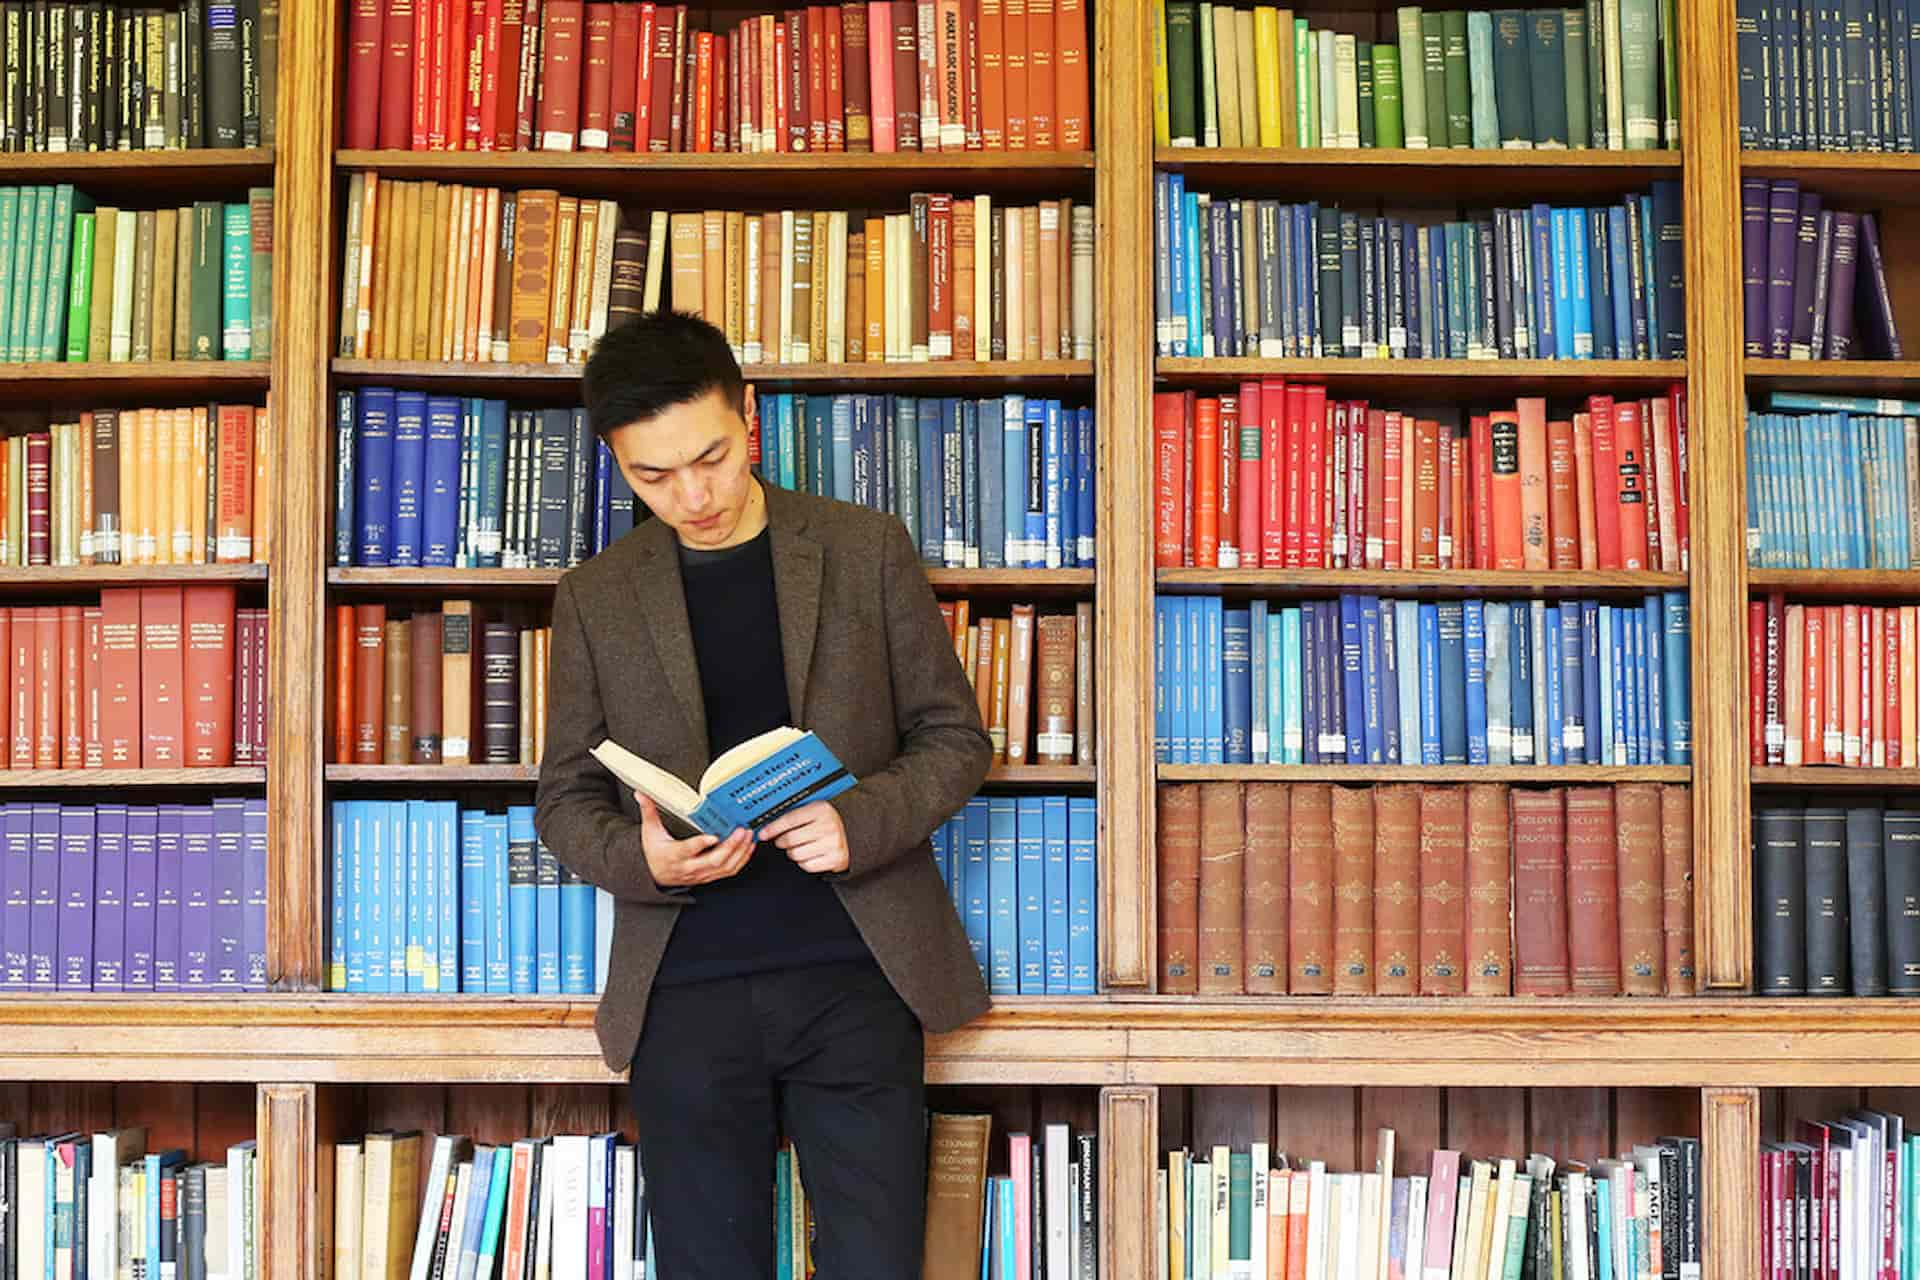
(499, 694)
(1503, 286)
(1370, 287)
(1688, 1223)
(1327, 229)
(1825, 859)
(1397, 291)
(79, 71)
(1481, 244)
(1671, 1195)
(82, 1178)
(54, 88)
(1866, 907)
(1779, 911)
(1901, 845)
(580, 494)
(193, 34)
(9, 1246)
(554, 471)
(193, 1223)
(249, 72)
(1088, 1145)
(1347, 340)
(223, 75)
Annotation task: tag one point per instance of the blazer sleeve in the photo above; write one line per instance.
(944, 752)
(578, 812)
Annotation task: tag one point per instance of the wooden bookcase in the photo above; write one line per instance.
(300, 1068)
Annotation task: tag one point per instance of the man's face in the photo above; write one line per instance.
(689, 465)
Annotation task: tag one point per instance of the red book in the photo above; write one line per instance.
(209, 664)
(364, 34)
(746, 112)
(993, 77)
(1480, 469)
(46, 687)
(817, 77)
(1247, 459)
(1606, 480)
(120, 705)
(162, 678)
(700, 118)
(428, 18)
(1302, 456)
(526, 98)
(396, 77)
(857, 74)
(1187, 525)
(905, 80)
(504, 71)
(799, 74)
(1873, 707)
(73, 661)
(1426, 494)
(686, 51)
(20, 664)
(1682, 472)
(1455, 533)
(1041, 35)
(243, 680)
(1374, 528)
(1631, 482)
(1657, 513)
(836, 91)
(1775, 642)
(1228, 555)
(1563, 508)
(1206, 484)
(39, 498)
(1593, 892)
(939, 276)
(1392, 465)
(473, 77)
(1273, 474)
(454, 87)
(1583, 490)
(91, 701)
(1356, 485)
(369, 680)
(596, 103)
(623, 71)
(970, 72)
(1813, 688)
(1168, 466)
(782, 86)
(1509, 526)
(1890, 674)
(1014, 73)
(1443, 891)
(1532, 414)
(1757, 682)
(1071, 100)
(562, 42)
(660, 80)
(1539, 893)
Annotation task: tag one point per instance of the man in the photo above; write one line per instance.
(778, 980)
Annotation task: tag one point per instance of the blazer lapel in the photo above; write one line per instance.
(663, 603)
(797, 563)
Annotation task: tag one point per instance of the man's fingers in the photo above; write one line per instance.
(791, 820)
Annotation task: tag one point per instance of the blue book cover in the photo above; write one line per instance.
(1676, 675)
(1474, 651)
(1389, 645)
(1003, 893)
(1031, 890)
(1646, 678)
(1190, 223)
(522, 908)
(338, 913)
(1372, 735)
(1450, 635)
(1083, 902)
(1259, 668)
(1562, 261)
(771, 773)
(1546, 334)
(1033, 545)
(1306, 281)
(1590, 647)
(1635, 692)
(1219, 332)
(864, 483)
(1619, 728)
(196, 891)
(1573, 684)
(1406, 638)
(441, 500)
(1327, 677)
(415, 962)
(1292, 728)
(1209, 612)
(1311, 727)
(576, 934)
(499, 962)
(1162, 693)
(938, 841)
(990, 438)
(970, 527)
(1085, 523)
(1497, 619)
(1620, 277)
(157, 1164)
(1600, 285)
(1550, 675)
(1179, 745)
(1353, 693)
(409, 473)
(971, 867)
(950, 478)
(1013, 487)
(764, 422)
(824, 449)
(373, 866)
(1058, 925)
(1237, 680)
(1520, 652)
(546, 920)
(1431, 746)
(1657, 320)
(1581, 309)
(473, 901)
(447, 905)
(426, 893)
(373, 465)
(1458, 313)
(399, 854)
(1193, 627)
(1653, 638)
(1176, 213)
(1054, 443)
(346, 528)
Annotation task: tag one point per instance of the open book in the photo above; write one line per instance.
(749, 785)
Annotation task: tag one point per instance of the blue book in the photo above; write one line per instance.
(1600, 285)
(415, 964)
(924, 452)
(947, 479)
(1546, 336)
(1311, 727)
(1353, 693)
(498, 977)
(1408, 265)
(991, 468)
(1573, 684)
(1085, 531)
(823, 451)
(938, 841)
(1194, 629)
(1083, 902)
(1619, 727)
(1550, 671)
(1406, 639)
(789, 768)
(1209, 613)
(546, 920)
(409, 474)
(1431, 746)
(1053, 554)
(1033, 544)
(1219, 333)
(1162, 681)
(426, 893)
(1179, 744)
(1620, 277)
(373, 867)
(971, 871)
(399, 854)
(1657, 320)
(1389, 645)
(1306, 281)
(1372, 735)
(970, 526)
(157, 1165)
(338, 913)
(1581, 310)
(522, 908)
(1003, 893)
(439, 502)
(765, 422)
(1190, 243)
(1474, 650)
(1590, 647)
(346, 528)
(1013, 487)
(1562, 285)
(1176, 213)
(1259, 669)
(1676, 675)
(473, 902)
(1520, 651)
(447, 904)
(852, 420)
(1635, 657)
(1653, 637)
(1058, 924)
(1327, 677)
(1237, 683)
(576, 934)
(1450, 634)
(1031, 889)
(373, 465)
(1292, 729)
(1004, 1238)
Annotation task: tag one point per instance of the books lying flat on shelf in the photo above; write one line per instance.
(748, 785)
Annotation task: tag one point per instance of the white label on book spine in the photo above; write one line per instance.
(1291, 738)
(1573, 735)
(1054, 744)
(455, 747)
(594, 140)
(1833, 743)
(554, 140)
(1522, 747)
(1333, 744)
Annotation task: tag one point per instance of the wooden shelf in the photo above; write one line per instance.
(1033, 775)
(143, 174)
(733, 177)
(535, 581)
(1821, 776)
(1421, 176)
(1894, 378)
(1358, 774)
(56, 382)
(549, 382)
(1440, 379)
(1878, 177)
(1444, 583)
(1874, 584)
(73, 779)
(114, 575)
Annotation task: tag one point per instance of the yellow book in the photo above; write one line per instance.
(85, 514)
(713, 277)
(1226, 75)
(149, 462)
(262, 477)
(1248, 91)
(180, 505)
(876, 287)
(406, 311)
(752, 350)
(1475, 1261)
(821, 263)
(1176, 1204)
(1162, 126)
(197, 489)
(982, 278)
(1266, 40)
(734, 264)
(417, 328)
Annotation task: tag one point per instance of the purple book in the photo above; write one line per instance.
(1806, 244)
(1846, 260)
(143, 864)
(76, 897)
(166, 900)
(1882, 331)
(1753, 262)
(196, 898)
(1783, 222)
(43, 906)
(253, 912)
(109, 896)
(229, 887)
(1822, 276)
(16, 881)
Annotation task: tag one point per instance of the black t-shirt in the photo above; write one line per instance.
(772, 915)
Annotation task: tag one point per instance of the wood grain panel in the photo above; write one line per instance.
(1570, 1124)
(170, 1113)
(1129, 1154)
(1232, 1115)
(1486, 1121)
(1415, 1115)
(291, 1236)
(1730, 1152)
(1318, 1122)
(492, 1114)
(1643, 1115)
(570, 1108)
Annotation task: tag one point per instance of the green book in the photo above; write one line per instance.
(1182, 124)
(9, 222)
(80, 292)
(260, 200)
(1363, 78)
(1456, 292)
(1546, 67)
(1486, 112)
(1670, 68)
(1320, 85)
(1413, 84)
(23, 236)
(1515, 1227)
(1209, 80)
(204, 281)
(1596, 104)
(1458, 80)
(53, 334)
(1640, 73)
(1573, 44)
(1240, 1201)
(1389, 122)
(39, 264)
(1433, 63)
(1513, 79)
(1305, 103)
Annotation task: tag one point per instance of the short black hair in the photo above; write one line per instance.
(655, 361)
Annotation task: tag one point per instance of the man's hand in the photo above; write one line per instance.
(812, 836)
(699, 859)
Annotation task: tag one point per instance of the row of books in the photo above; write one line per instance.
(1840, 1198)
(150, 678)
(1831, 490)
(1239, 276)
(103, 1204)
(1024, 875)
(1836, 899)
(194, 490)
(1033, 674)
(1813, 277)
(80, 282)
(1603, 76)
(1825, 77)
(458, 481)
(151, 77)
(1363, 680)
(426, 896)
(1282, 476)
(1267, 888)
(1002, 482)
(405, 688)
(116, 897)
(468, 274)
(1832, 684)
(1223, 1212)
(1040, 1219)
(847, 76)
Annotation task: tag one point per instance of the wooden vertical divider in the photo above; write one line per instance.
(1129, 1155)
(288, 1181)
(1716, 413)
(1729, 1158)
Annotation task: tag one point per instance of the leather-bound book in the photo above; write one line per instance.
(397, 743)
(1396, 889)
(1083, 682)
(341, 708)
(1352, 891)
(456, 682)
(1864, 909)
(1222, 889)
(73, 742)
(20, 666)
(1593, 892)
(535, 213)
(1267, 806)
(626, 296)
(92, 736)
(1779, 901)
(1443, 894)
(369, 681)
(1824, 920)
(956, 1194)
(1177, 840)
(906, 77)
(1073, 119)
(1676, 888)
(209, 670)
(46, 688)
(1540, 893)
(1020, 685)
(1310, 873)
(1489, 906)
(1053, 742)
(424, 676)
(119, 676)
(856, 75)
(562, 50)
(1901, 838)
(1535, 501)
(596, 102)
(1642, 909)
(499, 693)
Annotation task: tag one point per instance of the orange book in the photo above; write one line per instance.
(92, 701)
(535, 213)
(262, 480)
(479, 307)
(772, 305)
(1532, 413)
(1020, 684)
(73, 724)
(1426, 494)
(1206, 483)
(982, 673)
(86, 508)
(1850, 673)
(1629, 445)
(380, 316)
(369, 676)
(1002, 655)
(964, 256)
(119, 676)
(1014, 72)
(702, 123)
(46, 687)
(1509, 551)
(876, 289)
(1563, 508)
(1583, 490)
(959, 615)
(1832, 668)
(993, 79)
(234, 503)
(199, 448)
(1070, 75)
(169, 487)
(138, 459)
(1664, 486)
(162, 679)
(208, 640)
(1813, 690)
(1048, 252)
(343, 684)
(1460, 551)
(20, 667)
(1040, 38)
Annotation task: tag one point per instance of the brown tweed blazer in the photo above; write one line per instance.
(870, 669)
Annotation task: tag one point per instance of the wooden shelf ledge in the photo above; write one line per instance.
(76, 779)
(1841, 584)
(1897, 379)
(1814, 776)
(539, 380)
(1429, 583)
(114, 575)
(1044, 582)
(1358, 774)
(225, 172)
(110, 382)
(1462, 174)
(1452, 380)
(1882, 177)
(1033, 775)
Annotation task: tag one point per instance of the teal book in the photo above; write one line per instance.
(1640, 73)
(1240, 1211)
(9, 224)
(427, 854)
(1459, 82)
(748, 786)
(79, 290)
(446, 817)
(496, 1211)
(1456, 279)
(783, 1214)
(1292, 731)
(337, 897)
(1512, 79)
(415, 965)
(1412, 78)
(53, 320)
(1546, 66)
(1486, 111)
(373, 867)
(39, 256)
(1003, 876)
(399, 854)
(236, 312)
(1030, 828)
(1573, 47)
(499, 960)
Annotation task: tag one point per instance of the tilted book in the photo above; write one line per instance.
(748, 786)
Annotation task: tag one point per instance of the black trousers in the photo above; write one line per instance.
(830, 1055)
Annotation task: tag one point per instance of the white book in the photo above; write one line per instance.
(602, 298)
(1057, 1206)
(33, 1202)
(1495, 1232)
(1372, 1214)
(836, 251)
(658, 233)
(1346, 91)
(220, 1211)
(1317, 1187)
(1200, 1219)
(1414, 1263)
(543, 1233)
(1350, 1221)
(243, 1199)
(930, 125)
(111, 1149)
(784, 302)
(623, 1171)
(1220, 1232)
(1261, 1207)
(1616, 103)
(1406, 639)
(462, 1197)
(568, 1165)
(982, 280)
(443, 1153)
(1579, 1264)
(602, 938)
(1160, 1211)
(1013, 250)
(1383, 1169)
(120, 332)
